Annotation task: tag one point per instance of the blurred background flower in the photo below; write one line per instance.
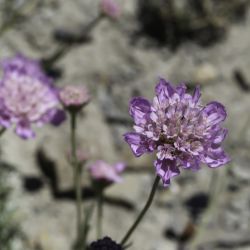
(27, 97)
(103, 172)
(74, 97)
(110, 8)
(199, 42)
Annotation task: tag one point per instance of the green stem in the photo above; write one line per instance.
(143, 212)
(86, 226)
(99, 213)
(85, 31)
(77, 175)
(2, 130)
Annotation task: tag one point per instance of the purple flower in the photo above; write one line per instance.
(27, 97)
(101, 171)
(74, 97)
(110, 8)
(181, 131)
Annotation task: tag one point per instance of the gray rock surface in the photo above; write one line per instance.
(115, 69)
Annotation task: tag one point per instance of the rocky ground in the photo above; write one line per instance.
(116, 66)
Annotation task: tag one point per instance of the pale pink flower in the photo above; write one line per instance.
(102, 171)
(74, 97)
(110, 8)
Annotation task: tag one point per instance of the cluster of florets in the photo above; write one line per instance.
(181, 131)
(74, 97)
(27, 97)
(105, 244)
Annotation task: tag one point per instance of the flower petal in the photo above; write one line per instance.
(138, 109)
(120, 167)
(58, 117)
(181, 89)
(216, 158)
(54, 116)
(164, 90)
(190, 162)
(220, 136)
(138, 143)
(196, 95)
(215, 112)
(166, 169)
(23, 129)
(4, 119)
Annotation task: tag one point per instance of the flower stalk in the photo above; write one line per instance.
(143, 212)
(77, 174)
(99, 213)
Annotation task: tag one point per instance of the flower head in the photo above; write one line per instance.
(27, 96)
(110, 8)
(181, 131)
(105, 243)
(74, 97)
(102, 172)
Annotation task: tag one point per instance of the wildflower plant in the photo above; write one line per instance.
(180, 130)
(175, 126)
